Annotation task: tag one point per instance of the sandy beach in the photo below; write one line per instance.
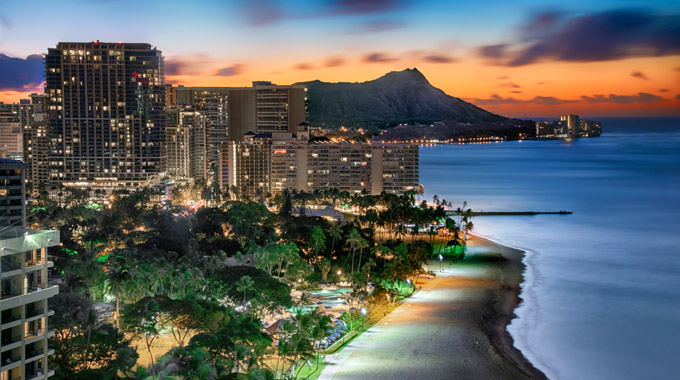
(453, 328)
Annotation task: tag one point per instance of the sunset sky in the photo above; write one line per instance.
(517, 58)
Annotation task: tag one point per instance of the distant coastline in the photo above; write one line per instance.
(450, 132)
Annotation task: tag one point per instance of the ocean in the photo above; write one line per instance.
(601, 296)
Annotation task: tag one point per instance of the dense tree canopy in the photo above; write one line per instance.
(181, 273)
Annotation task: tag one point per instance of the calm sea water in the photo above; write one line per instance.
(601, 298)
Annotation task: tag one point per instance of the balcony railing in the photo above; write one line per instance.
(30, 263)
(10, 318)
(34, 312)
(35, 352)
(13, 292)
(34, 333)
(10, 265)
(11, 359)
(33, 375)
(9, 340)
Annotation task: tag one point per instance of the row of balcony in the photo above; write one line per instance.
(33, 370)
(11, 292)
(30, 334)
(30, 313)
(9, 264)
(11, 357)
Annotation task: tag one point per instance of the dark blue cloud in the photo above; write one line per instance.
(493, 52)
(21, 74)
(269, 12)
(542, 23)
(610, 35)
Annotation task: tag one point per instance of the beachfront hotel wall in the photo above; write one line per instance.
(270, 163)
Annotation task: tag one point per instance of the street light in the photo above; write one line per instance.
(440, 263)
(387, 303)
(363, 312)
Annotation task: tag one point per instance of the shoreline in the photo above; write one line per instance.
(455, 325)
(502, 308)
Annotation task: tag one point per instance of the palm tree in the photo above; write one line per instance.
(335, 232)
(362, 244)
(353, 239)
(117, 275)
(465, 223)
(320, 329)
(318, 239)
(244, 284)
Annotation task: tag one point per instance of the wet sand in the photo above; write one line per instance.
(453, 328)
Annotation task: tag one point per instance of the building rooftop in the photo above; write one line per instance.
(10, 161)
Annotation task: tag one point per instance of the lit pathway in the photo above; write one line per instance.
(434, 335)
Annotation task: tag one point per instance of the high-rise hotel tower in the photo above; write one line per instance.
(106, 119)
(24, 288)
